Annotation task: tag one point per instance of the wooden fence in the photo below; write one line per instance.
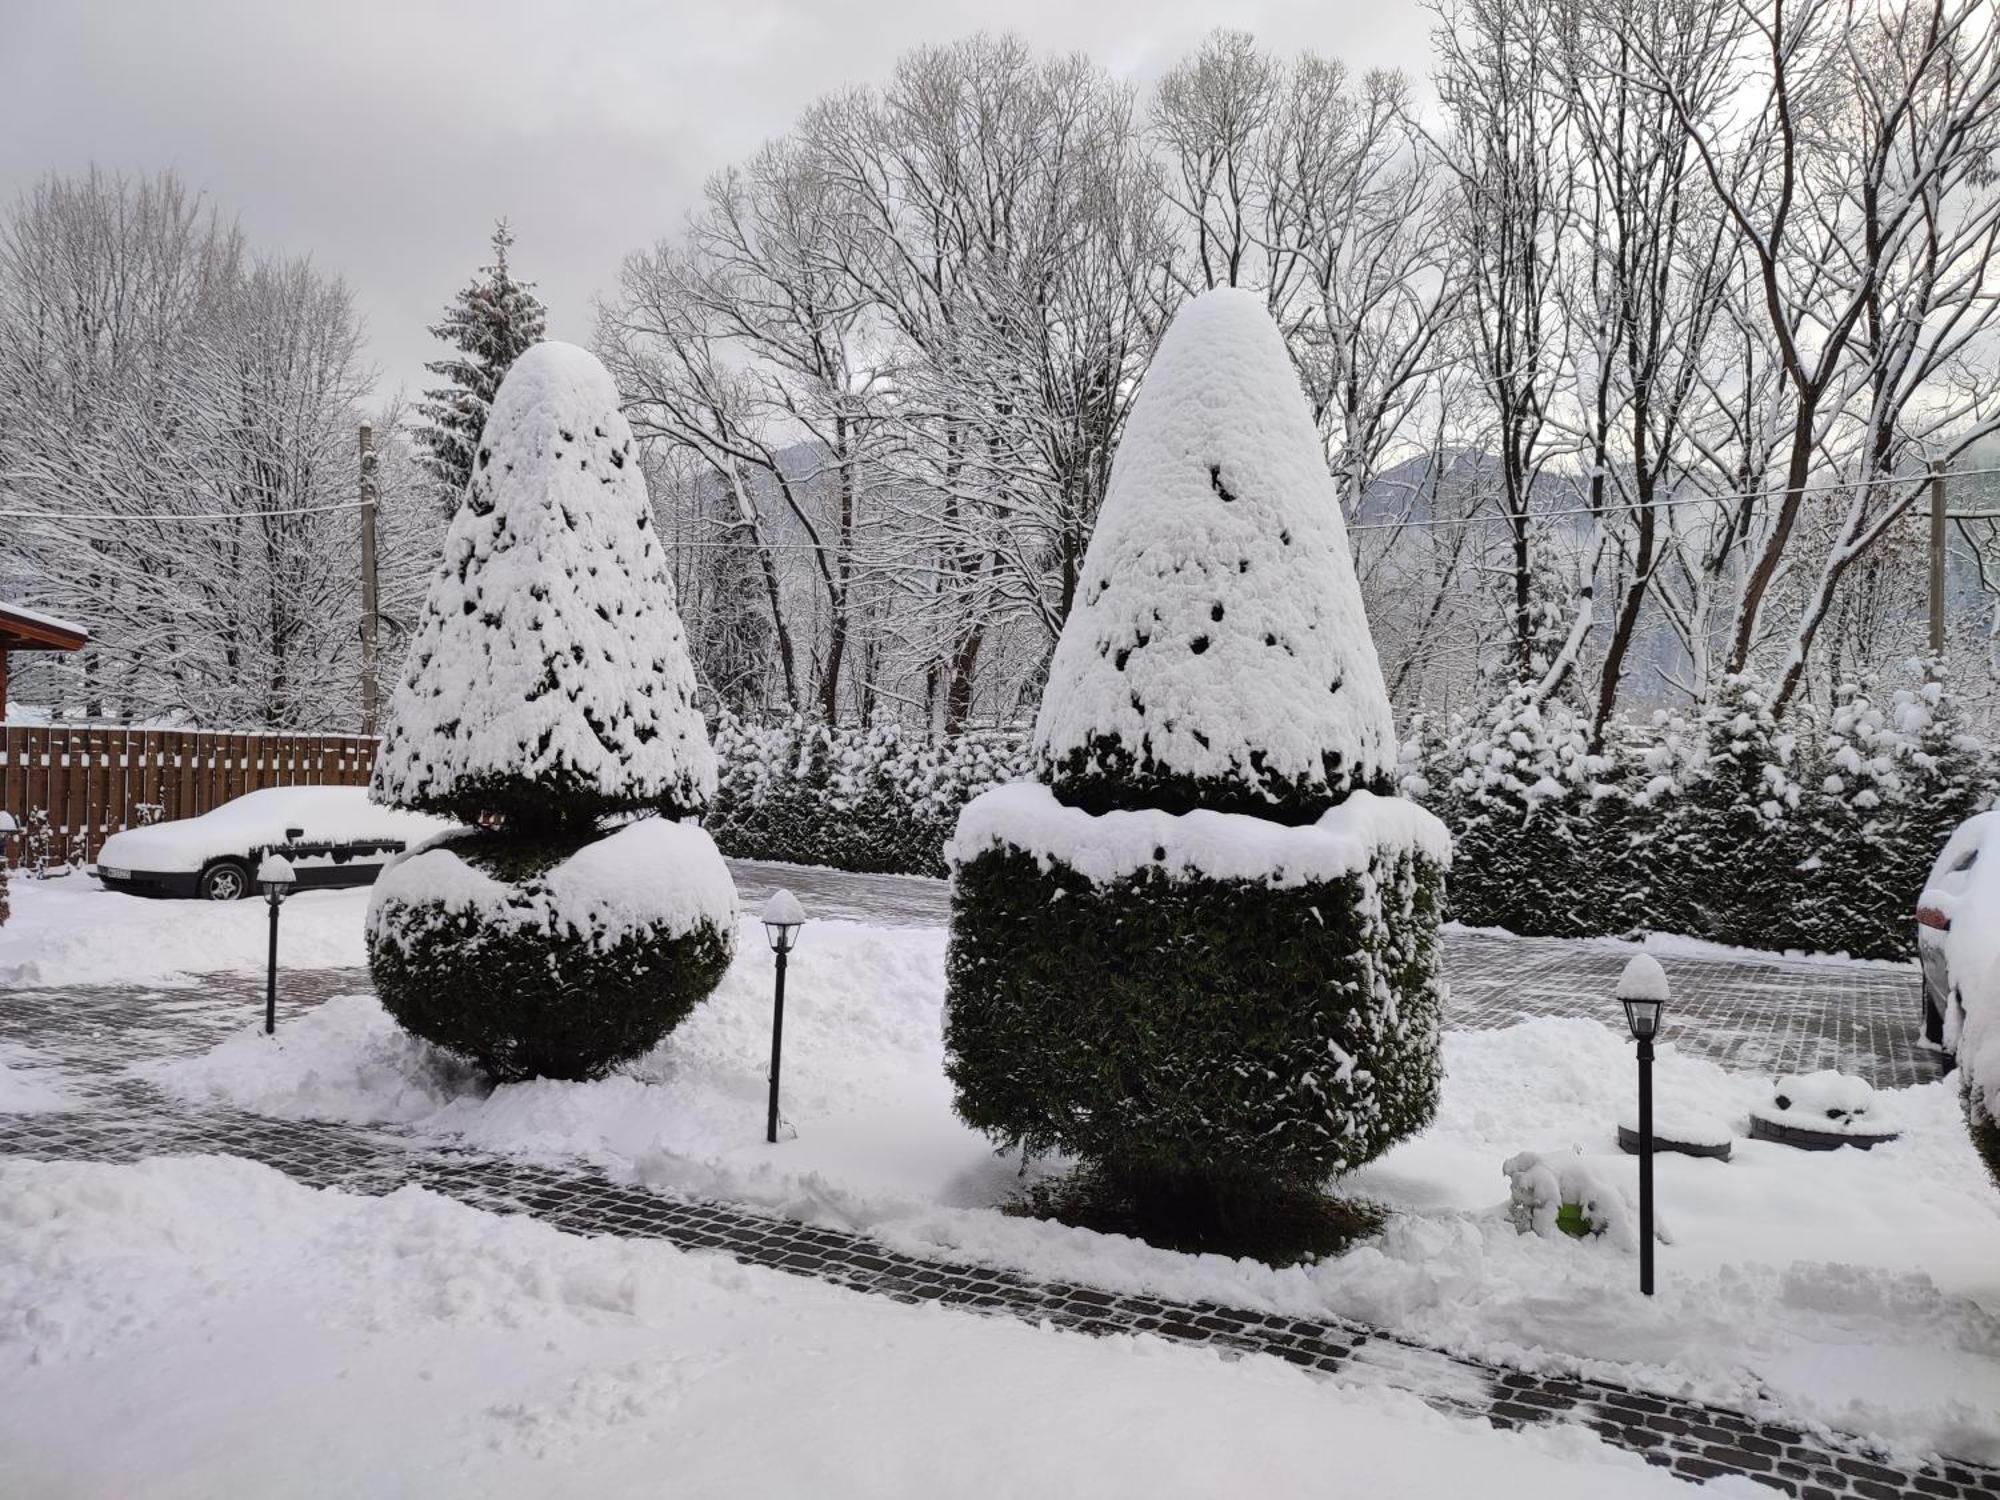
(91, 779)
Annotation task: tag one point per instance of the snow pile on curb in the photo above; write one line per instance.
(255, 1337)
(1111, 846)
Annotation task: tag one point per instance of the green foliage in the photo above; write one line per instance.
(1816, 833)
(1104, 773)
(882, 800)
(535, 1000)
(1985, 1130)
(1196, 1039)
(491, 321)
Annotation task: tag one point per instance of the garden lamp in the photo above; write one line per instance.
(783, 917)
(276, 879)
(1642, 990)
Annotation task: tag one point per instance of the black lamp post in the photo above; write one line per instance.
(783, 917)
(1642, 990)
(275, 876)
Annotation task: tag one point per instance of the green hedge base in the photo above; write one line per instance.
(1195, 1038)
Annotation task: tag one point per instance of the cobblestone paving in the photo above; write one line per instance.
(1763, 1015)
(93, 1034)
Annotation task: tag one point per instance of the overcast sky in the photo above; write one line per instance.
(384, 138)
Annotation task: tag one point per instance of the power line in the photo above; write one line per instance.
(1723, 499)
(170, 515)
(1427, 522)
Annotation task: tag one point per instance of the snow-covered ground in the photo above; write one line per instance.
(71, 931)
(204, 1327)
(1856, 1290)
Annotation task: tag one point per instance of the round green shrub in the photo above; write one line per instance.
(1198, 1039)
(511, 978)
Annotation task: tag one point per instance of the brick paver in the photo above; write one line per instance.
(93, 1034)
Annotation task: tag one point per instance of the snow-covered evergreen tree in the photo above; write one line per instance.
(1207, 661)
(548, 688)
(1524, 807)
(1737, 823)
(1201, 956)
(492, 321)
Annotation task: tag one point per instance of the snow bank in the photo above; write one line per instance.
(1218, 628)
(653, 874)
(1217, 846)
(74, 932)
(26, 1088)
(258, 818)
(255, 1337)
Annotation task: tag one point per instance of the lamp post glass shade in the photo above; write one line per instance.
(783, 917)
(275, 877)
(1642, 990)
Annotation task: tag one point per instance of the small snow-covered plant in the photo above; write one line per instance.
(547, 697)
(38, 843)
(1200, 952)
(1566, 1193)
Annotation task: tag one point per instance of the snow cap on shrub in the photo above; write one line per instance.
(549, 680)
(1217, 654)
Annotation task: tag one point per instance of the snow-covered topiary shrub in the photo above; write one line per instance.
(1201, 953)
(548, 689)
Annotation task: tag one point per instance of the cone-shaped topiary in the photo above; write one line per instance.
(1203, 957)
(548, 680)
(548, 687)
(1217, 655)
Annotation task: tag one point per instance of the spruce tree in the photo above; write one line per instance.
(1201, 953)
(547, 692)
(492, 321)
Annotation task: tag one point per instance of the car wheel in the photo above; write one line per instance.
(225, 880)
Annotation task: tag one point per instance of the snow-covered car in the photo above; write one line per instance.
(1943, 902)
(332, 835)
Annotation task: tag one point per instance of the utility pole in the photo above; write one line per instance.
(1937, 559)
(369, 690)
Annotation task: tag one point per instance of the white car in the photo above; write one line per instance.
(332, 835)
(1952, 885)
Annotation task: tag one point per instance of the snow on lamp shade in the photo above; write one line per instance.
(548, 690)
(1642, 990)
(1201, 953)
(275, 876)
(782, 918)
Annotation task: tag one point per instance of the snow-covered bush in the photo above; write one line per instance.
(1540, 1186)
(1201, 954)
(547, 690)
(881, 799)
(1523, 805)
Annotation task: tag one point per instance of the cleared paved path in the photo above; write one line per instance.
(1755, 1013)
